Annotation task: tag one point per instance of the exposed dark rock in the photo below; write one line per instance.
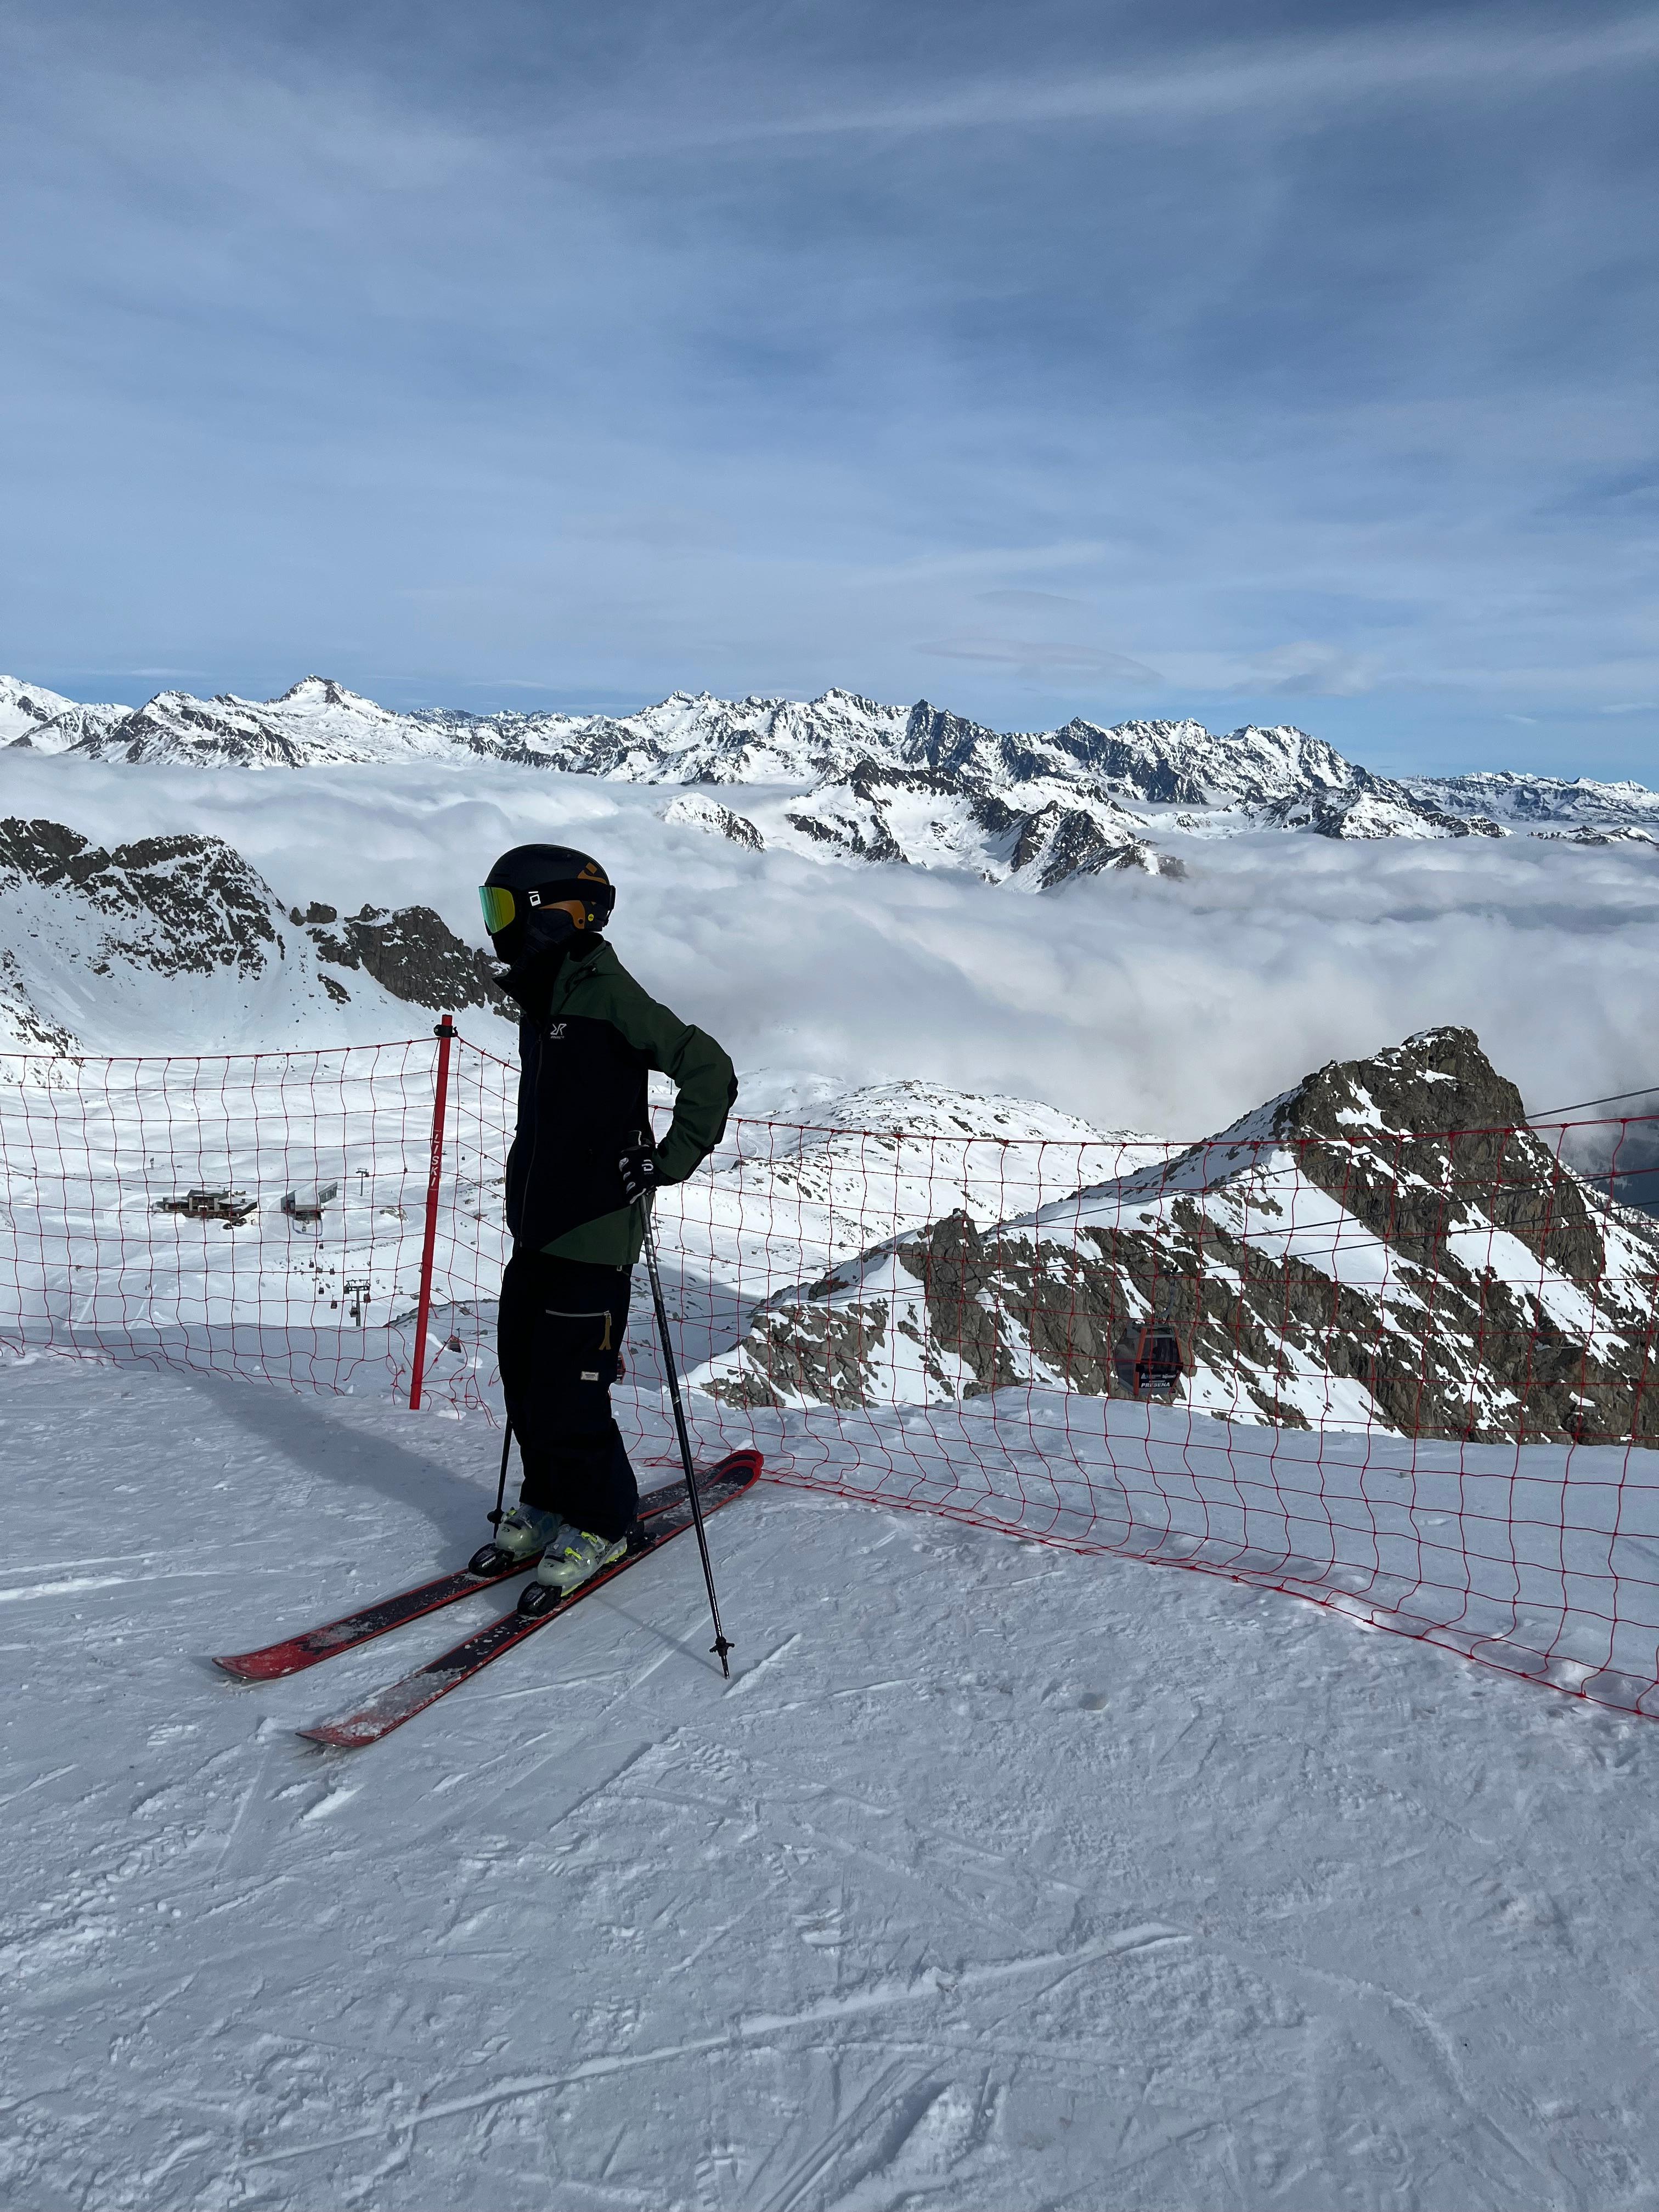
(870, 840)
(1123, 767)
(210, 908)
(1069, 842)
(1419, 1154)
(190, 905)
(943, 742)
(709, 814)
(412, 954)
(1374, 806)
(1585, 835)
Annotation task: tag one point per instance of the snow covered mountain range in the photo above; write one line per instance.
(841, 777)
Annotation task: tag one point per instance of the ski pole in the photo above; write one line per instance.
(496, 1517)
(721, 1643)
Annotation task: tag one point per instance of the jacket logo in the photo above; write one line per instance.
(555, 1031)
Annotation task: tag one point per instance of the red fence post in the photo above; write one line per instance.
(444, 1034)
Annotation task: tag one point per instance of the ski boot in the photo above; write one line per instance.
(522, 1536)
(573, 1557)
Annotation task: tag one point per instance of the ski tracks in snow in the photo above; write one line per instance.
(995, 1876)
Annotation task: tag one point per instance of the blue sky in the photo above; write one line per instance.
(1277, 361)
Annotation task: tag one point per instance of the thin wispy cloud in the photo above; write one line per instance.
(1041, 657)
(1066, 360)
(1262, 77)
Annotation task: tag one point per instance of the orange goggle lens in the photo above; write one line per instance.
(499, 906)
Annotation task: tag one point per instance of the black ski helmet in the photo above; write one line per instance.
(534, 876)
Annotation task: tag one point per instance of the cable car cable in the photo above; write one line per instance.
(1578, 1104)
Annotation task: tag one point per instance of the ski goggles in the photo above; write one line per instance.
(500, 906)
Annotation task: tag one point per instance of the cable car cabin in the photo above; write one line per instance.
(1148, 1361)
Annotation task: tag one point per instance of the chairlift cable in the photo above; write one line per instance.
(1577, 1106)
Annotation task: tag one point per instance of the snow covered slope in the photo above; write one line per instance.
(314, 723)
(93, 1156)
(998, 1876)
(1543, 802)
(1333, 1261)
(39, 720)
(795, 1186)
(170, 944)
(921, 817)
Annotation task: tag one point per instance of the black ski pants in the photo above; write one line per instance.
(559, 1341)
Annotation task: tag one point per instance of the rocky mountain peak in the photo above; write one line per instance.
(1386, 1245)
(176, 905)
(1440, 1079)
(947, 743)
(322, 691)
(29, 702)
(852, 702)
(36, 720)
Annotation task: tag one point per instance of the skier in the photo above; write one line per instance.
(581, 1159)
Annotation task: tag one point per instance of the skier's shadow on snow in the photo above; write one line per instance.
(303, 1433)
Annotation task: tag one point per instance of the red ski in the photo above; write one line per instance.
(296, 1652)
(664, 1514)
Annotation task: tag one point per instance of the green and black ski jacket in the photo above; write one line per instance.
(582, 1094)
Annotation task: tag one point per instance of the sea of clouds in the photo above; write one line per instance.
(1169, 1006)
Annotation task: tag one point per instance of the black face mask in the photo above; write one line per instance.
(537, 933)
(536, 946)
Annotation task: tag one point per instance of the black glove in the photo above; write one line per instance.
(639, 1171)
